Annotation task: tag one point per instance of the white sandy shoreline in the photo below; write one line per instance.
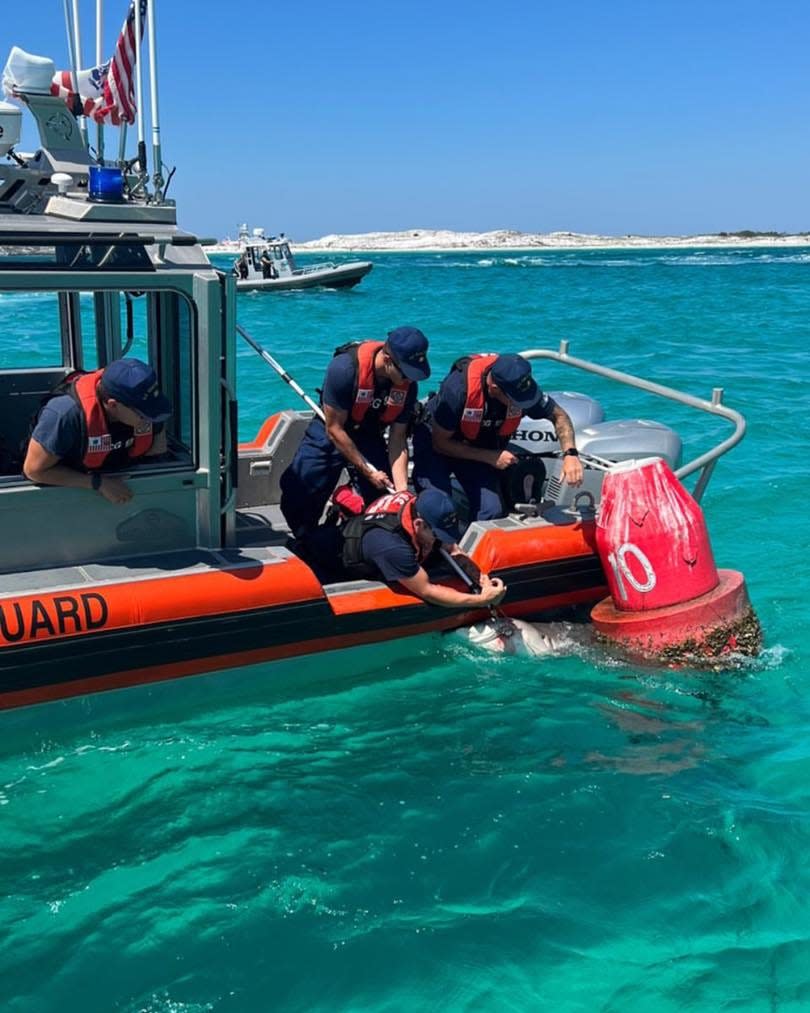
(442, 240)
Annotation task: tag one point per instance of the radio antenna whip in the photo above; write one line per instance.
(157, 159)
(142, 174)
(99, 60)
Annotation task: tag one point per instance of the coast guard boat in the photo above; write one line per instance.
(195, 572)
(282, 272)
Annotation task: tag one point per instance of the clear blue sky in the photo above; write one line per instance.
(610, 117)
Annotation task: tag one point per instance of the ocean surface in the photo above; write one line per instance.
(433, 829)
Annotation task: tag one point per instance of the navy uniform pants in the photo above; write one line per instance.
(313, 473)
(481, 482)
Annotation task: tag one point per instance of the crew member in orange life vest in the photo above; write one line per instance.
(369, 388)
(468, 425)
(393, 540)
(104, 420)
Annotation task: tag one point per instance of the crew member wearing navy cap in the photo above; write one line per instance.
(469, 422)
(96, 422)
(370, 387)
(393, 540)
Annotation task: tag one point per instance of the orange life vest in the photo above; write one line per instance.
(475, 399)
(97, 438)
(364, 386)
(393, 512)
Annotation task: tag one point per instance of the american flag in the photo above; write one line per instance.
(106, 93)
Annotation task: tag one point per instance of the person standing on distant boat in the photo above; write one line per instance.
(240, 267)
(109, 418)
(267, 265)
(467, 426)
(370, 389)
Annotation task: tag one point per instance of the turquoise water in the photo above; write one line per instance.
(438, 830)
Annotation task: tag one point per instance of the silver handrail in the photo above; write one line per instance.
(705, 462)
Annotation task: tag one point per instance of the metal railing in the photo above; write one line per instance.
(705, 462)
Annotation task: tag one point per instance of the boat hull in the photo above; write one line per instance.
(72, 641)
(343, 276)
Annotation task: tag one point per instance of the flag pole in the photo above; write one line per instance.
(142, 174)
(157, 159)
(78, 51)
(75, 57)
(99, 58)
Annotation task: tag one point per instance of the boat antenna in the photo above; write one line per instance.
(74, 50)
(142, 174)
(157, 159)
(99, 59)
(471, 584)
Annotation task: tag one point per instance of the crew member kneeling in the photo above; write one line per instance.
(95, 422)
(397, 533)
(369, 388)
(470, 421)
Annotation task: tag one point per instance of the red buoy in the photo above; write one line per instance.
(668, 602)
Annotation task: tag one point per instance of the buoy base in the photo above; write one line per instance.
(706, 632)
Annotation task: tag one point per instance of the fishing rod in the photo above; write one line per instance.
(274, 364)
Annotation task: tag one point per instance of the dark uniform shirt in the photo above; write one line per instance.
(391, 554)
(447, 408)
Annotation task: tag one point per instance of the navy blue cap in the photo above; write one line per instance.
(437, 511)
(513, 374)
(408, 347)
(135, 385)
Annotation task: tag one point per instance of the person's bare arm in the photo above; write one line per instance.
(563, 427)
(336, 431)
(159, 445)
(492, 591)
(45, 468)
(444, 442)
(398, 455)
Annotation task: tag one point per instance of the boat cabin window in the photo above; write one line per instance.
(46, 335)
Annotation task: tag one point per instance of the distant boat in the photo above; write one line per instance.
(269, 264)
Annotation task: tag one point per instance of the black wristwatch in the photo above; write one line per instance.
(571, 452)
(95, 481)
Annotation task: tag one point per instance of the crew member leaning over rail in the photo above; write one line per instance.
(95, 422)
(468, 424)
(392, 541)
(369, 388)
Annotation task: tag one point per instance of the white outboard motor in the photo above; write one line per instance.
(536, 436)
(631, 439)
(622, 440)
(538, 473)
(10, 119)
